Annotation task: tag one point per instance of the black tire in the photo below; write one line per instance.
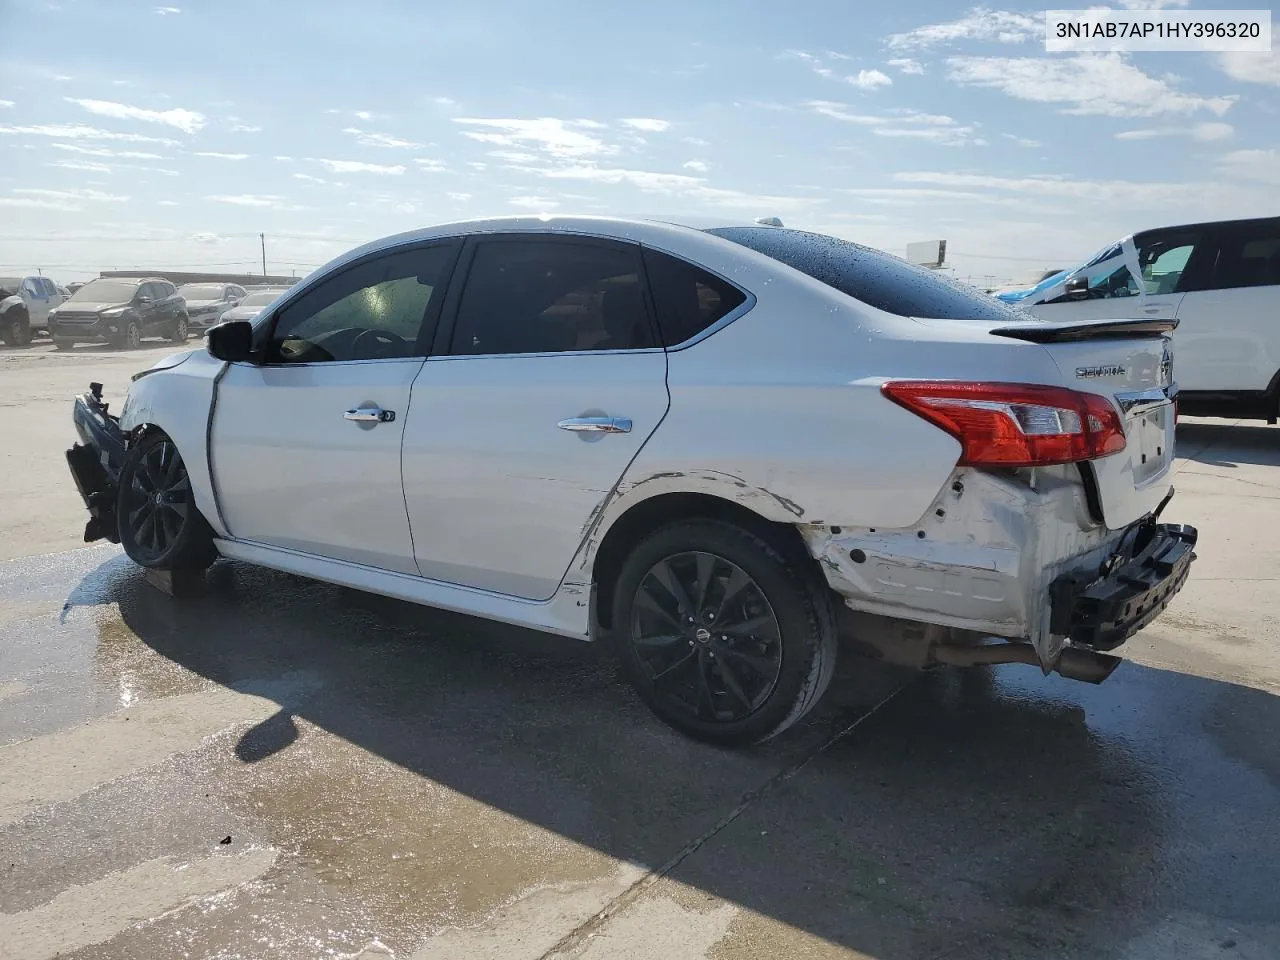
(16, 329)
(131, 339)
(62, 344)
(180, 332)
(780, 633)
(160, 525)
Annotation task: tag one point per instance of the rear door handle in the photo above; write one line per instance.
(596, 425)
(370, 415)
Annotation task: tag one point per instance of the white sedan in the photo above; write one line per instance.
(703, 444)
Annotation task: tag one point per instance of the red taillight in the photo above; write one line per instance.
(1015, 424)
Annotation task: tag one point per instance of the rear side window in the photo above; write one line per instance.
(871, 276)
(551, 296)
(687, 299)
(1249, 256)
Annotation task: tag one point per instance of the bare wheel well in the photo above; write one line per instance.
(649, 515)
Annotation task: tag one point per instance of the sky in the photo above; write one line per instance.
(140, 135)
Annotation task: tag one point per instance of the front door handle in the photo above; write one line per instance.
(596, 425)
(370, 415)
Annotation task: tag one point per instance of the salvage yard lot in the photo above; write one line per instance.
(281, 768)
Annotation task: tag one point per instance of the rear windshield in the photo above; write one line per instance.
(201, 291)
(259, 299)
(871, 276)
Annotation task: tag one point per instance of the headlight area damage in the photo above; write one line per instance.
(95, 463)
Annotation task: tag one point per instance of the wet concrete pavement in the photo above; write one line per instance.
(285, 769)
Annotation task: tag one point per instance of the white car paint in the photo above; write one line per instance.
(1227, 339)
(473, 500)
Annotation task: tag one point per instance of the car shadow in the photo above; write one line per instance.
(1229, 444)
(979, 814)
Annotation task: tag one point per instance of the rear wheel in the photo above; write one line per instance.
(160, 525)
(721, 636)
(180, 332)
(16, 329)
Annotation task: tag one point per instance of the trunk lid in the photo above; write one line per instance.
(1131, 363)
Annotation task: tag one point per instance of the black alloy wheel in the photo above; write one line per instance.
(707, 635)
(160, 525)
(726, 632)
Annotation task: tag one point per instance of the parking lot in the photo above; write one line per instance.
(280, 768)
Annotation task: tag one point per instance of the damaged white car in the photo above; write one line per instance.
(716, 447)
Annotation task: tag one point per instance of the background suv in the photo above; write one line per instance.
(120, 311)
(25, 303)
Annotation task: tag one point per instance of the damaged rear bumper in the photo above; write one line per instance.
(95, 463)
(1128, 593)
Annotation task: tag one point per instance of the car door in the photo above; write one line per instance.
(546, 381)
(38, 301)
(144, 306)
(1228, 334)
(306, 438)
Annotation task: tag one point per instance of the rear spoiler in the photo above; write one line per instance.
(1068, 332)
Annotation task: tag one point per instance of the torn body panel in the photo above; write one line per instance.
(981, 559)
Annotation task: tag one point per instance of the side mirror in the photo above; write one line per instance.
(1078, 288)
(231, 341)
(143, 301)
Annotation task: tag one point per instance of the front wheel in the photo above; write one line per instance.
(131, 339)
(723, 638)
(63, 344)
(180, 331)
(160, 525)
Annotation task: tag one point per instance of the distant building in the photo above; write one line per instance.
(179, 277)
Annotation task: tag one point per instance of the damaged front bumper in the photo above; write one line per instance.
(95, 463)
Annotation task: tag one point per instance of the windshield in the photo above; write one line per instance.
(258, 299)
(201, 291)
(875, 278)
(105, 291)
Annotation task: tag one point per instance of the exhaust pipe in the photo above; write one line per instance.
(1074, 663)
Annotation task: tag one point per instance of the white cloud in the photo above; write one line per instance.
(221, 156)
(382, 140)
(1022, 141)
(1200, 131)
(697, 166)
(356, 166)
(97, 196)
(245, 128)
(166, 203)
(906, 65)
(6, 103)
(513, 156)
(88, 166)
(250, 200)
(563, 139)
(1089, 84)
(477, 165)
(283, 159)
(444, 101)
(1153, 4)
(105, 152)
(695, 141)
(980, 23)
(863, 79)
(188, 121)
(460, 197)
(868, 79)
(912, 124)
(1260, 165)
(166, 11)
(427, 165)
(309, 178)
(534, 203)
(62, 78)
(363, 115)
(32, 203)
(1253, 67)
(647, 124)
(69, 131)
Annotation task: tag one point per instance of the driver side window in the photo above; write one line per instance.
(372, 311)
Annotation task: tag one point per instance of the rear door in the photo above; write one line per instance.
(545, 384)
(38, 300)
(1229, 321)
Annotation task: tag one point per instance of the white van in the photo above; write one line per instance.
(1221, 281)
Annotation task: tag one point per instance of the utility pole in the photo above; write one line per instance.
(263, 238)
